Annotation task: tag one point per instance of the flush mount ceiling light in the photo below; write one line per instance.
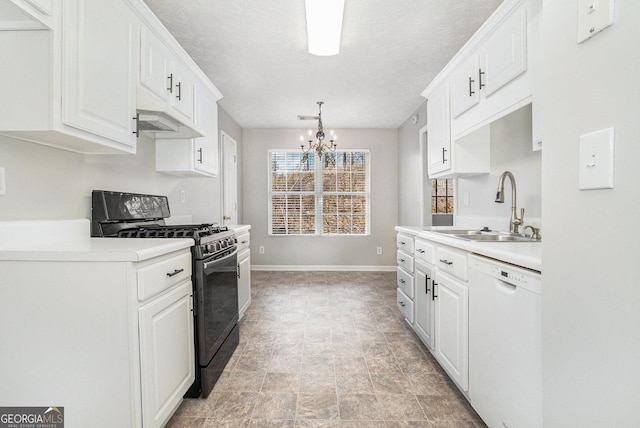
(319, 146)
(324, 26)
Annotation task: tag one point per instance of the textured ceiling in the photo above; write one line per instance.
(255, 52)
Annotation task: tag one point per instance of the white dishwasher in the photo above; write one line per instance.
(505, 379)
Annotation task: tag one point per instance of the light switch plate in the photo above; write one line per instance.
(596, 160)
(593, 17)
(3, 182)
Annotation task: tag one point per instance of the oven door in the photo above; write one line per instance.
(217, 303)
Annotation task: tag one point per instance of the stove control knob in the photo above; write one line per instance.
(223, 244)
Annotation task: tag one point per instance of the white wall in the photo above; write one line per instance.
(410, 171)
(511, 150)
(346, 252)
(48, 183)
(591, 295)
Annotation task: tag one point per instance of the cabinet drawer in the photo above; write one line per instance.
(404, 243)
(405, 260)
(244, 240)
(159, 276)
(405, 282)
(424, 251)
(452, 261)
(405, 304)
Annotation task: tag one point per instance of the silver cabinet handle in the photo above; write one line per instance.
(170, 87)
(420, 250)
(401, 281)
(446, 262)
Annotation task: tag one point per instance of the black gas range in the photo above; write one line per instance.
(214, 278)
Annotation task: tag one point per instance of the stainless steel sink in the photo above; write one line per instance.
(459, 232)
(485, 235)
(499, 237)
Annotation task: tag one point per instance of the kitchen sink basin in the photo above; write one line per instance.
(497, 237)
(459, 232)
(485, 235)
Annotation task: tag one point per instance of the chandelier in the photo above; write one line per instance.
(319, 146)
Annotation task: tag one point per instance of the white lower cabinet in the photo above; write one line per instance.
(424, 322)
(404, 277)
(432, 294)
(166, 331)
(452, 328)
(244, 273)
(405, 304)
(110, 338)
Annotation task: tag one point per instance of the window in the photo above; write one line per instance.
(308, 196)
(442, 196)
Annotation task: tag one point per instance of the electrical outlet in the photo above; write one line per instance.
(379, 251)
(466, 198)
(261, 250)
(183, 197)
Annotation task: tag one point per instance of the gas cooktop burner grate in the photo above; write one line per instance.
(195, 231)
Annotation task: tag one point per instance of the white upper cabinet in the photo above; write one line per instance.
(76, 85)
(447, 158)
(193, 156)
(491, 76)
(156, 76)
(26, 14)
(99, 69)
(503, 56)
(166, 83)
(465, 86)
(439, 131)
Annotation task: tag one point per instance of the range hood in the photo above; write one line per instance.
(161, 125)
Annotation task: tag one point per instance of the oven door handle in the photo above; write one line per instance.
(206, 265)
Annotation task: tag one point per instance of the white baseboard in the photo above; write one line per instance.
(335, 268)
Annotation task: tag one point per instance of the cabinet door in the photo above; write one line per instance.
(244, 281)
(184, 87)
(155, 66)
(452, 328)
(464, 86)
(99, 69)
(424, 304)
(503, 56)
(166, 353)
(207, 146)
(439, 131)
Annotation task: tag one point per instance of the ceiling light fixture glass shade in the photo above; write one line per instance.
(319, 146)
(324, 26)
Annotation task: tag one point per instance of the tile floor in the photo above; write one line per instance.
(328, 349)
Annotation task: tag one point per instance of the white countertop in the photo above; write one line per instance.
(69, 240)
(525, 254)
(95, 249)
(239, 228)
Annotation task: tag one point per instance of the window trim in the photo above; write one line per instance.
(319, 193)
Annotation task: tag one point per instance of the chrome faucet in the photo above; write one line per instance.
(514, 221)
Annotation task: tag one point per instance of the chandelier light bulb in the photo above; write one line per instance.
(319, 147)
